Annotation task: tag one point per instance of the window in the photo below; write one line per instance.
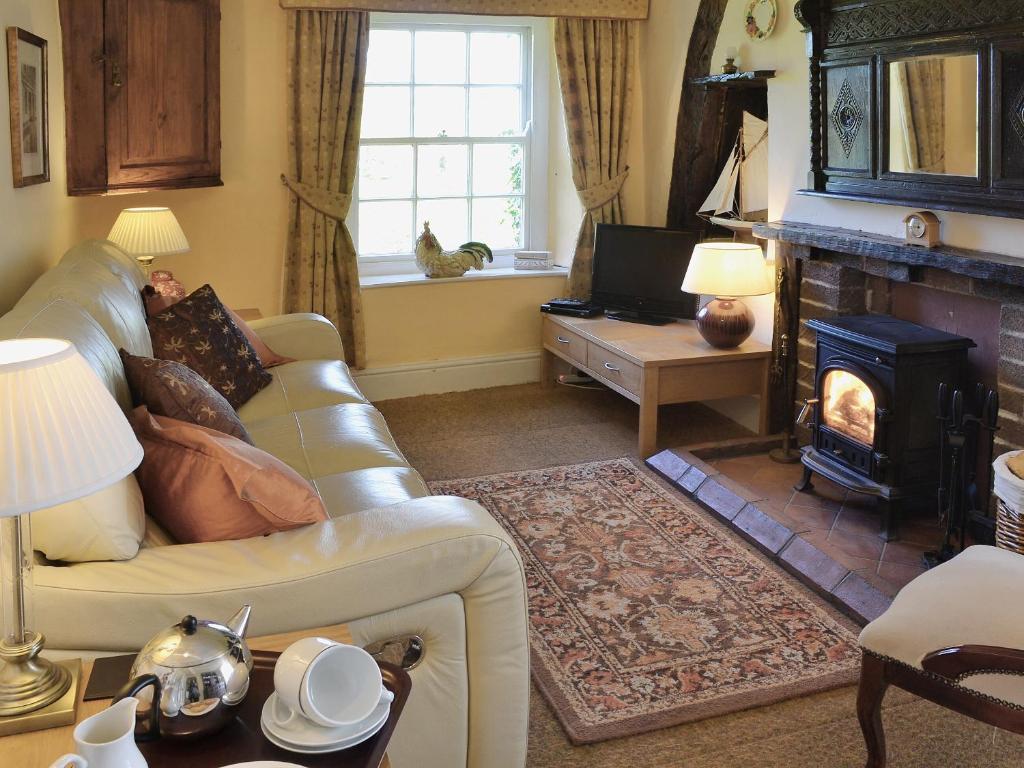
(446, 137)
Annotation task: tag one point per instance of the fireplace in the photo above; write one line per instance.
(874, 414)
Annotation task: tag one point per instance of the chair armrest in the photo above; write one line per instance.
(302, 335)
(964, 660)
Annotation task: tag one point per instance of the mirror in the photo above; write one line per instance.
(933, 115)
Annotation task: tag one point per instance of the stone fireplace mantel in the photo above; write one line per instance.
(977, 265)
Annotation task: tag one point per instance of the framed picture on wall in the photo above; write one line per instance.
(30, 136)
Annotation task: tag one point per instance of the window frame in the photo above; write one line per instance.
(536, 63)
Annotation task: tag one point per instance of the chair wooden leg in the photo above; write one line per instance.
(873, 685)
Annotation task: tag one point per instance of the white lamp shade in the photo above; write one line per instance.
(63, 435)
(728, 269)
(148, 232)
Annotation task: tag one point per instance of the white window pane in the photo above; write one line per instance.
(440, 111)
(497, 169)
(498, 221)
(442, 170)
(385, 171)
(440, 57)
(449, 221)
(495, 112)
(385, 112)
(494, 57)
(389, 58)
(385, 227)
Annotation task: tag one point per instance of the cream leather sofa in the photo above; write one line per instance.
(393, 559)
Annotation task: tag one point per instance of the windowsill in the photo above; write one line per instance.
(498, 273)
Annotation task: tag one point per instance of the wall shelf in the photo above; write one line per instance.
(755, 78)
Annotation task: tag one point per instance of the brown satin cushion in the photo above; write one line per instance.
(204, 485)
(198, 332)
(172, 389)
(156, 303)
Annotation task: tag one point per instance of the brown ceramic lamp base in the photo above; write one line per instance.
(725, 322)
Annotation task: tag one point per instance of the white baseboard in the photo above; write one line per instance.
(458, 375)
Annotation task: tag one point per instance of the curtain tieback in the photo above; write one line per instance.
(333, 204)
(602, 194)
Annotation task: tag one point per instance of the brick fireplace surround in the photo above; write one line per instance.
(827, 273)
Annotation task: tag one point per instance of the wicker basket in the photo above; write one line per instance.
(1010, 508)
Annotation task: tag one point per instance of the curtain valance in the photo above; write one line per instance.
(590, 9)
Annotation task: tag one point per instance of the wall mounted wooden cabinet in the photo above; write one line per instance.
(142, 94)
(918, 102)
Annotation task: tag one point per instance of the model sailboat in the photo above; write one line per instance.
(740, 198)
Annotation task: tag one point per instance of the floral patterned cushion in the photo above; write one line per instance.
(198, 332)
(172, 389)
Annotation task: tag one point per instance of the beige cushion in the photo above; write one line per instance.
(976, 598)
(107, 525)
(300, 386)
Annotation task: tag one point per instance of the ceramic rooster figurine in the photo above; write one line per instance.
(437, 262)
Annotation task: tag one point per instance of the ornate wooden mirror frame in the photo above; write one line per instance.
(853, 46)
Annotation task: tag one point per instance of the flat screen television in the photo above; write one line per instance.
(638, 272)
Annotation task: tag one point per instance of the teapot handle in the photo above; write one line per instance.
(131, 688)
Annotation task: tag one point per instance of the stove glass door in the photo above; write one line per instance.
(848, 406)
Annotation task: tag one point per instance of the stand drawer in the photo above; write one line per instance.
(615, 369)
(567, 342)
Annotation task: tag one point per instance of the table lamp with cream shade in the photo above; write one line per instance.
(63, 437)
(146, 233)
(727, 271)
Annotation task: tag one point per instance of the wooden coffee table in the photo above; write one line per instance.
(657, 365)
(40, 748)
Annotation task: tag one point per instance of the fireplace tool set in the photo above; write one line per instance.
(967, 427)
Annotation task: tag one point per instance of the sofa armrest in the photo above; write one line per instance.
(302, 335)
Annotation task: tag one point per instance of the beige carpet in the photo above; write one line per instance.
(517, 428)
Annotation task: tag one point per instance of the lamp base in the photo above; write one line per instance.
(725, 322)
(63, 711)
(28, 682)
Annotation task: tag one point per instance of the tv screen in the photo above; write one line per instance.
(640, 270)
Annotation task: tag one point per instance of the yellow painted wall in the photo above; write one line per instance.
(35, 225)
(476, 318)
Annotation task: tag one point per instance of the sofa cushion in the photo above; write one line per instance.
(973, 599)
(327, 441)
(300, 386)
(62, 319)
(91, 276)
(204, 485)
(106, 525)
(198, 332)
(171, 389)
(348, 492)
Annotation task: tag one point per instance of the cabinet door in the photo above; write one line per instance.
(163, 93)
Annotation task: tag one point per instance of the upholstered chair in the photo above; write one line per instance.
(954, 636)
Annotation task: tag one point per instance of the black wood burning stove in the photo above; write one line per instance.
(873, 418)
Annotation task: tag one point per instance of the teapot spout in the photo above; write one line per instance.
(239, 623)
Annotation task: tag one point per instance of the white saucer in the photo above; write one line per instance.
(307, 737)
(264, 764)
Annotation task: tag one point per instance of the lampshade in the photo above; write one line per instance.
(148, 232)
(63, 435)
(728, 269)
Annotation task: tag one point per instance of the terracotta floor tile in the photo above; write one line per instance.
(903, 552)
(881, 584)
(810, 518)
(866, 547)
(899, 574)
(860, 521)
(812, 499)
(839, 554)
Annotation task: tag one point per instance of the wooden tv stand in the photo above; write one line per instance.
(656, 365)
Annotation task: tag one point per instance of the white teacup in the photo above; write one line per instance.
(330, 683)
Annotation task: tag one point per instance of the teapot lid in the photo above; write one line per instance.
(189, 643)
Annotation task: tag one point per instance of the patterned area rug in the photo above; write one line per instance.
(645, 613)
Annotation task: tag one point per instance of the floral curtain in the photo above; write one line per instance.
(596, 61)
(920, 95)
(326, 73)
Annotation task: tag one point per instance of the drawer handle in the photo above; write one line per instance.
(611, 367)
(561, 339)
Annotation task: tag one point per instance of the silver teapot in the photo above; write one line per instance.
(199, 671)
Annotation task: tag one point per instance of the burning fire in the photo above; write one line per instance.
(849, 406)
